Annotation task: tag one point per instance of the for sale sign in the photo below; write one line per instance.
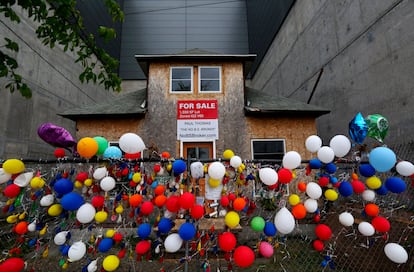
(197, 119)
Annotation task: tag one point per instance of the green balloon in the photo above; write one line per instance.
(257, 223)
(102, 144)
(377, 126)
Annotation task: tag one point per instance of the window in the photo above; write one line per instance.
(198, 150)
(210, 79)
(272, 149)
(181, 79)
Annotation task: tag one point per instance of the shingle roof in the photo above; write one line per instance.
(133, 103)
(259, 103)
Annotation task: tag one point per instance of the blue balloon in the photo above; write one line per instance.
(382, 190)
(179, 167)
(358, 128)
(382, 159)
(105, 244)
(63, 186)
(71, 201)
(315, 164)
(270, 229)
(187, 231)
(395, 185)
(154, 184)
(144, 230)
(345, 189)
(112, 152)
(366, 170)
(64, 249)
(165, 225)
(333, 180)
(330, 168)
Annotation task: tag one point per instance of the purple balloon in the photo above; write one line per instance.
(55, 135)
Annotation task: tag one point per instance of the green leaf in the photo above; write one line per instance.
(11, 45)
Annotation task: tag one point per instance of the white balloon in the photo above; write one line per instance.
(32, 226)
(291, 160)
(326, 154)
(366, 229)
(131, 143)
(313, 143)
(173, 242)
(313, 190)
(396, 253)
(23, 179)
(86, 213)
(341, 145)
(4, 176)
(197, 170)
(405, 168)
(368, 195)
(284, 221)
(100, 173)
(235, 161)
(311, 205)
(346, 219)
(92, 266)
(107, 183)
(216, 170)
(268, 176)
(47, 200)
(76, 251)
(60, 238)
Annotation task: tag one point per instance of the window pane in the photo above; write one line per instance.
(268, 150)
(203, 153)
(210, 85)
(181, 73)
(210, 73)
(181, 85)
(191, 153)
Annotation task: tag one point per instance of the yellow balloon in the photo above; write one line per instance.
(55, 210)
(12, 218)
(78, 184)
(331, 195)
(119, 209)
(373, 182)
(87, 147)
(88, 182)
(110, 263)
(37, 183)
(232, 219)
(13, 166)
(214, 182)
(227, 154)
(169, 167)
(110, 233)
(136, 177)
(294, 199)
(22, 215)
(101, 216)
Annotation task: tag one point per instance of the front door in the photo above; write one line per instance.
(198, 150)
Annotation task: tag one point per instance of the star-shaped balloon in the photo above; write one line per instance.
(358, 128)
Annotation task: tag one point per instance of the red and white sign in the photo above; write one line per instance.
(197, 119)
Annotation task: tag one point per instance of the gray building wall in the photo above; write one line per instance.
(365, 49)
(173, 26)
(53, 77)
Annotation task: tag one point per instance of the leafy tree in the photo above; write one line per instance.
(59, 22)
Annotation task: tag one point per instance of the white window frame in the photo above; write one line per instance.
(199, 79)
(192, 79)
(267, 140)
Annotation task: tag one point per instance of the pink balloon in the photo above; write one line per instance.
(266, 249)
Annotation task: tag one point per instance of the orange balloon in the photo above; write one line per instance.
(299, 211)
(371, 209)
(21, 227)
(165, 155)
(135, 200)
(302, 186)
(239, 204)
(87, 147)
(159, 190)
(160, 200)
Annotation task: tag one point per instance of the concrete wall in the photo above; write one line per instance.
(53, 77)
(365, 49)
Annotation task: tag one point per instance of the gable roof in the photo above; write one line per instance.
(260, 103)
(130, 104)
(195, 54)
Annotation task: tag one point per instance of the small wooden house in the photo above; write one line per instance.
(196, 105)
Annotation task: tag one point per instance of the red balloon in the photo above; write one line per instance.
(187, 200)
(197, 211)
(133, 156)
(98, 201)
(239, 204)
(243, 256)
(318, 245)
(358, 186)
(12, 265)
(224, 201)
(231, 196)
(142, 247)
(165, 155)
(117, 237)
(227, 241)
(381, 224)
(157, 168)
(285, 175)
(147, 207)
(59, 153)
(323, 181)
(82, 176)
(21, 228)
(135, 200)
(11, 190)
(173, 204)
(323, 232)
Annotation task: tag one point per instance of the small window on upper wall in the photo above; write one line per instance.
(268, 149)
(181, 79)
(209, 79)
